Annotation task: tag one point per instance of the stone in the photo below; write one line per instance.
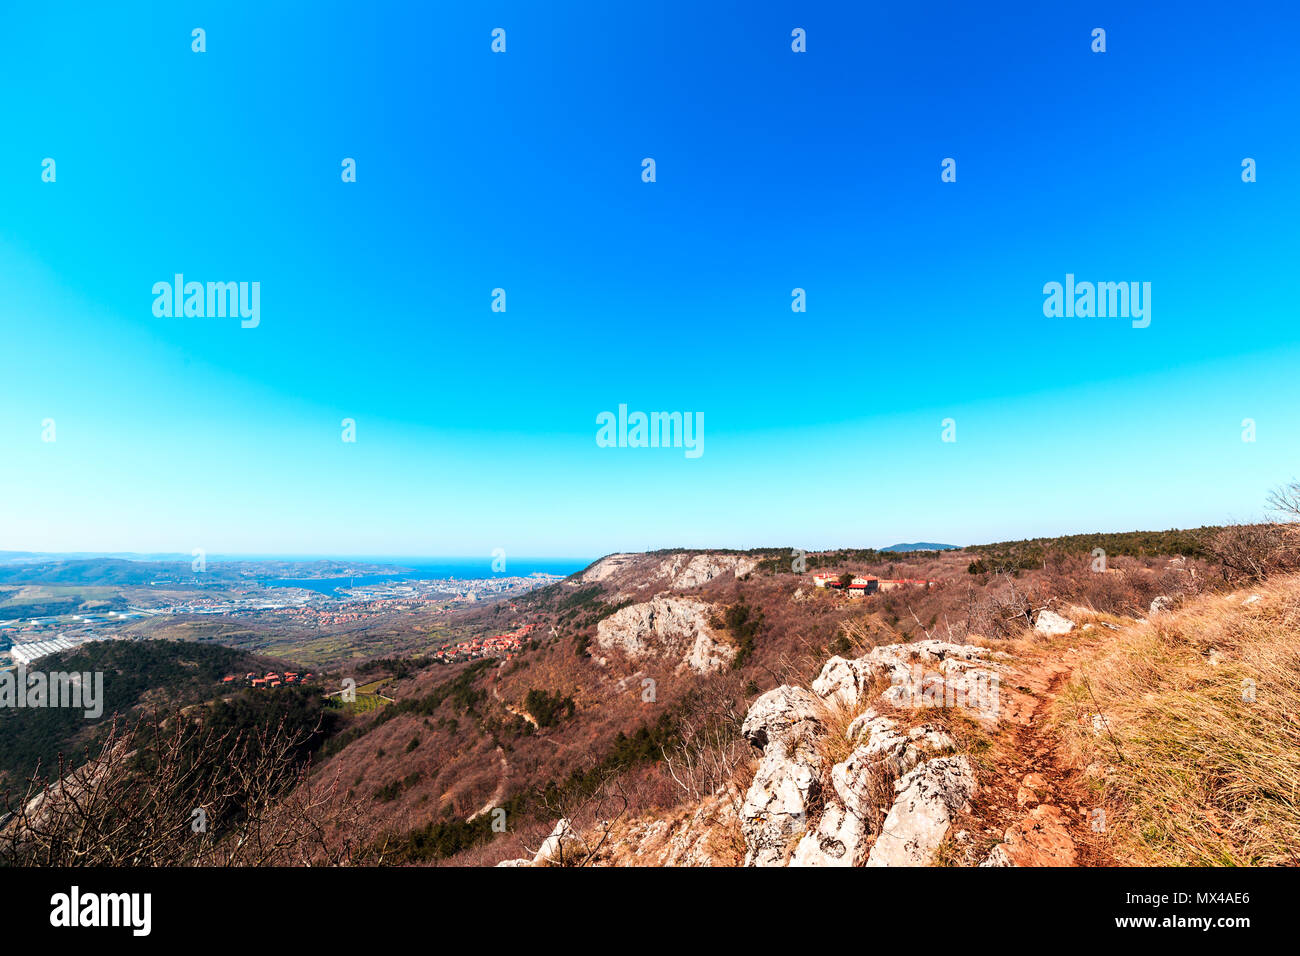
(691, 571)
(840, 839)
(1040, 839)
(1049, 623)
(846, 682)
(887, 754)
(607, 567)
(784, 723)
(997, 857)
(780, 712)
(564, 845)
(777, 805)
(666, 628)
(929, 797)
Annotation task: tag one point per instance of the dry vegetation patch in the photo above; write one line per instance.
(1189, 726)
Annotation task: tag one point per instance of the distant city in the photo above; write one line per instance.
(108, 601)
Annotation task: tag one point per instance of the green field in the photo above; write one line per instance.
(18, 595)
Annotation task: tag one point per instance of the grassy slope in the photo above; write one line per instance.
(1204, 774)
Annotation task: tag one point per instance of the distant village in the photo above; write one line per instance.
(502, 645)
(859, 585)
(269, 679)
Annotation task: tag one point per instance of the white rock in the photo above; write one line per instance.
(690, 571)
(666, 627)
(1161, 603)
(778, 802)
(846, 682)
(785, 722)
(607, 567)
(865, 723)
(930, 651)
(928, 799)
(840, 839)
(886, 755)
(562, 846)
(931, 738)
(780, 713)
(998, 857)
(1050, 623)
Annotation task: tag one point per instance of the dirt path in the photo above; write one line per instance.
(496, 694)
(1035, 800)
(498, 794)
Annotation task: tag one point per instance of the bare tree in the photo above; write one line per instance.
(1284, 500)
(1253, 551)
(587, 816)
(708, 750)
(177, 792)
(1001, 610)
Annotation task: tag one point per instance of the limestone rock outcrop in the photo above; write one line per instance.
(784, 723)
(800, 812)
(666, 628)
(929, 797)
(607, 567)
(690, 571)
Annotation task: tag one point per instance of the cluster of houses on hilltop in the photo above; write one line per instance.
(864, 584)
(271, 679)
(503, 645)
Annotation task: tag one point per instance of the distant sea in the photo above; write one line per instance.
(425, 569)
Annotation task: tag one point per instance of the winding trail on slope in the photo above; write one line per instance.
(1035, 798)
(498, 794)
(518, 713)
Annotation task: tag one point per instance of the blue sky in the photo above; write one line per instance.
(775, 170)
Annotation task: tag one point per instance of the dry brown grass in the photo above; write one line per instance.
(1190, 772)
(834, 744)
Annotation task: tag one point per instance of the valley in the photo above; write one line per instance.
(734, 707)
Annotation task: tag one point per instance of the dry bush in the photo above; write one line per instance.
(592, 813)
(1003, 609)
(135, 803)
(1193, 772)
(1251, 552)
(709, 749)
(833, 744)
(1126, 587)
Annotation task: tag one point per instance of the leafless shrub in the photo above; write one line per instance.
(177, 793)
(1251, 552)
(709, 749)
(1003, 610)
(590, 815)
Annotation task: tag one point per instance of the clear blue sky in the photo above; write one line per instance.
(775, 170)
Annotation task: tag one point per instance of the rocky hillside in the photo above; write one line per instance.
(731, 708)
(1015, 752)
(695, 708)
